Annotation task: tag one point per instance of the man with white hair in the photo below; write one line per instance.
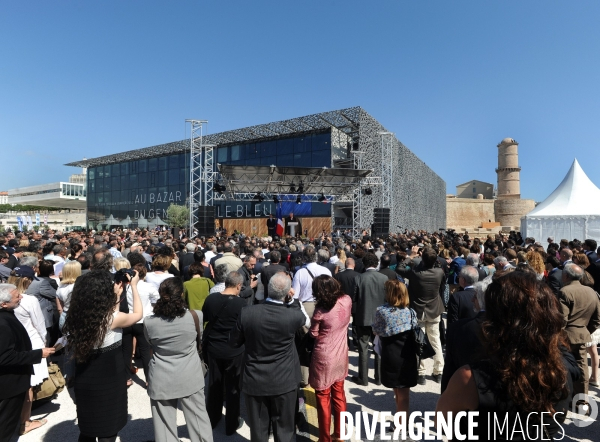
(187, 258)
(16, 361)
(581, 311)
(462, 338)
(460, 305)
(271, 369)
(474, 260)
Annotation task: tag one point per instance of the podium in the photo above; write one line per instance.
(292, 226)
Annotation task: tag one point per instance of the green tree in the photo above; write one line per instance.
(178, 216)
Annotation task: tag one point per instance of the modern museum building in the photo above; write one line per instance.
(135, 188)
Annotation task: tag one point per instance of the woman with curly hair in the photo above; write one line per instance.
(171, 332)
(160, 270)
(329, 364)
(536, 261)
(526, 367)
(94, 327)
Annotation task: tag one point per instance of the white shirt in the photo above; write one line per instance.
(156, 278)
(29, 313)
(306, 323)
(209, 255)
(147, 293)
(64, 294)
(302, 283)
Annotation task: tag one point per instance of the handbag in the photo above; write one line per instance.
(199, 343)
(423, 347)
(51, 386)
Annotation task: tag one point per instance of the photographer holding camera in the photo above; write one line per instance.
(94, 327)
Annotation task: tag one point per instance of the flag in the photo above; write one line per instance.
(279, 229)
(20, 222)
(37, 219)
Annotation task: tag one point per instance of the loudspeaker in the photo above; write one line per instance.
(206, 221)
(381, 221)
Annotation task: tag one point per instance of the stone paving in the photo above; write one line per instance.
(62, 426)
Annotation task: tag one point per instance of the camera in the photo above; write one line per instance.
(121, 275)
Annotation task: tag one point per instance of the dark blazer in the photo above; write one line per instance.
(594, 270)
(267, 273)
(246, 292)
(16, 356)
(359, 266)
(329, 266)
(389, 273)
(592, 256)
(463, 345)
(45, 293)
(271, 226)
(213, 259)
(271, 364)
(460, 305)
(295, 220)
(481, 273)
(425, 289)
(554, 280)
(347, 280)
(185, 260)
(369, 295)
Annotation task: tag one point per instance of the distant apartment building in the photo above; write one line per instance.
(4, 197)
(471, 189)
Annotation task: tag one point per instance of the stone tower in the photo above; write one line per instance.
(509, 181)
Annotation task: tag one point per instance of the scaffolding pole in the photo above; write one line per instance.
(356, 200)
(387, 168)
(197, 173)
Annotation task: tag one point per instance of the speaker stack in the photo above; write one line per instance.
(206, 221)
(381, 221)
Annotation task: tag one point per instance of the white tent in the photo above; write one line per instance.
(571, 211)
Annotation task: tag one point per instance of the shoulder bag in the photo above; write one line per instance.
(199, 342)
(51, 386)
(423, 347)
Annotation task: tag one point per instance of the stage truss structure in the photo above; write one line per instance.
(201, 172)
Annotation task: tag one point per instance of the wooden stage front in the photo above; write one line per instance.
(258, 226)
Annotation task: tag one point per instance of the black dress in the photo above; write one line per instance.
(399, 361)
(101, 393)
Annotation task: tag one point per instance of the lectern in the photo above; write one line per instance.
(292, 225)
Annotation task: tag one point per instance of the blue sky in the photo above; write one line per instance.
(451, 79)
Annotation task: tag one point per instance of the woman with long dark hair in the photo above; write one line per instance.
(94, 328)
(329, 364)
(526, 364)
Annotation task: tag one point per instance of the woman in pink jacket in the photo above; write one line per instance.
(329, 364)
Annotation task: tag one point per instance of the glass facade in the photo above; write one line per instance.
(136, 192)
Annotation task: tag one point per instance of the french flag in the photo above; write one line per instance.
(280, 228)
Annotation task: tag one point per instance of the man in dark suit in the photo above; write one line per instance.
(369, 295)
(347, 280)
(589, 246)
(16, 362)
(324, 261)
(217, 256)
(268, 271)
(271, 225)
(463, 345)
(250, 281)
(581, 312)
(554, 278)
(384, 267)
(473, 260)
(187, 256)
(594, 270)
(460, 304)
(425, 292)
(293, 219)
(271, 369)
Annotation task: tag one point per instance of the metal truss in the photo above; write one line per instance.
(357, 198)
(197, 172)
(387, 168)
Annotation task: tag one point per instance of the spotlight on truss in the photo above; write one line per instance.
(298, 199)
(292, 188)
(275, 199)
(301, 187)
(258, 197)
(219, 187)
(368, 191)
(322, 198)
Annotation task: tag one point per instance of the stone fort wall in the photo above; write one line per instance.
(465, 213)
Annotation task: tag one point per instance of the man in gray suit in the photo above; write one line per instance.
(425, 287)
(369, 295)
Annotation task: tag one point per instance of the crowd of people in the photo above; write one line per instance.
(511, 322)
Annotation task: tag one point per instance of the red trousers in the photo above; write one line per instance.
(334, 398)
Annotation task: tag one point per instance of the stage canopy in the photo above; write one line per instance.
(572, 211)
(279, 180)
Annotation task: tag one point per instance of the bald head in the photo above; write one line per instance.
(566, 255)
(350, 263)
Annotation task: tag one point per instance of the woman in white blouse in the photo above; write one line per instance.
(29, 313)
(70, 272)
(160, 270)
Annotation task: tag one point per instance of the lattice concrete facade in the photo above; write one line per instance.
(419, 194)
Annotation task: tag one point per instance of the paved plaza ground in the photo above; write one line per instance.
(62, 426)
